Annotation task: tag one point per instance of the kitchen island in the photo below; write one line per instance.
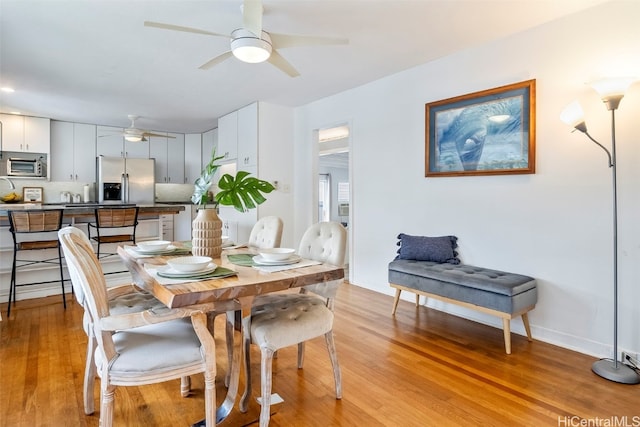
(86, 210)
(150, 227)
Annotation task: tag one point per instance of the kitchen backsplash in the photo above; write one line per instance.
(51, 190)
(174, 193)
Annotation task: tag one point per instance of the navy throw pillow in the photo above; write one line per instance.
(424, 248)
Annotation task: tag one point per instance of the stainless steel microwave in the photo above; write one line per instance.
(14, 166)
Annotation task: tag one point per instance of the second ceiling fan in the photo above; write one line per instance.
(134, 134)
(251, 43)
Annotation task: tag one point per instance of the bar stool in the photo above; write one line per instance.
(23, 225)
(114, 220)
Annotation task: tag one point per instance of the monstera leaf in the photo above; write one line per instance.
(204, 182)
(243, 191)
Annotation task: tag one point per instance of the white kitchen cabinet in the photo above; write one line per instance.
(192, 157)
(182, 224)
(248, 136)
(209, 143)
(25, 134)
(169, 155)
(73, 152)
(111, 143)
(228, 136)
(166, 227)
(175, 158)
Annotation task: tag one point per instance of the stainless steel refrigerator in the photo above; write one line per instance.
(125, 180)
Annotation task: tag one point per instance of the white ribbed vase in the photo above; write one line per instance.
(207, 234)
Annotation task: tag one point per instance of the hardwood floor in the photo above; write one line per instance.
(419, 368)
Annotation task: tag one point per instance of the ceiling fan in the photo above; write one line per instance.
(251, 43)
(133, 134)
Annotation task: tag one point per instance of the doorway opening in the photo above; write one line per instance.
(334, 189)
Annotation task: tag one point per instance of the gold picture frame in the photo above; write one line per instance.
(32, 194)
(492, 132)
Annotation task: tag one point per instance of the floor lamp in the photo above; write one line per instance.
(611, 91)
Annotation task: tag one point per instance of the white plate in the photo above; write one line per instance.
(166, 250)
(258, 259)
(169, 272)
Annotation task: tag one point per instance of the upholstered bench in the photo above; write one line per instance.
(502, 294)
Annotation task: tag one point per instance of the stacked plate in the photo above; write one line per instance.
(154, 247)
(276, 256)
(188, 266)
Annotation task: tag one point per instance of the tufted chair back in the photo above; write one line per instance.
(267, 233)
(325, 242)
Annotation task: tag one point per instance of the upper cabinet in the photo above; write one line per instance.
(26, 134)
(228, 136)
(209, 144)
(73, 152)
(169, 154)
(193, 150)
(238, 136)
(248, 136)
(111, 143)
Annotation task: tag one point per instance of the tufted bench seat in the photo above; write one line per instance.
(506, 295)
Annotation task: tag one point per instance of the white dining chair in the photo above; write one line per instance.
(282, 320)
(266, 233)
(143, 347)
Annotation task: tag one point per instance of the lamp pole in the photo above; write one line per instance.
(612, 370)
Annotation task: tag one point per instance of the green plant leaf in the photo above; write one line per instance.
(243, 191)
(204, 182)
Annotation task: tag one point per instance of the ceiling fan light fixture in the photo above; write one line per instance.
(248, 48)
(133, 138)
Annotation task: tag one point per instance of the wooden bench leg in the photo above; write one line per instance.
(417, 300)
(525, 320)
(506, 326)
(395, 302)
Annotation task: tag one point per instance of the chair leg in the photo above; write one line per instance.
(64, 298)
(185, 386)
(89, 375)
(106, 403)
(333, 355)
(300, 354)
(265, 385)
(12, 287)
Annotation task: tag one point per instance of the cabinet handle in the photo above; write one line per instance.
(76, 177)
(71, 176)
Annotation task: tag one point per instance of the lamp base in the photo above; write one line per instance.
(619, 372)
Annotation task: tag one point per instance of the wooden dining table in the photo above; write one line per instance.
(230, 295)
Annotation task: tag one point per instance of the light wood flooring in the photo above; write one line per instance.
(419, 368)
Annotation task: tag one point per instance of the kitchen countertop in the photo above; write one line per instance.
(87, 209)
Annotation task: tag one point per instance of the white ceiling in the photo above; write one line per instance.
(93, 61)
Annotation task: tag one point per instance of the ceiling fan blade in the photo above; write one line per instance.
(281, 41)
(252, 16)
(145, 134)
(215, 61)
(277, 60)
(180, 28)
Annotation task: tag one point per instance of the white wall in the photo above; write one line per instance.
(555, 225)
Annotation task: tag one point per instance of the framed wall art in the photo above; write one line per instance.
(491, 132)
(32, 194)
